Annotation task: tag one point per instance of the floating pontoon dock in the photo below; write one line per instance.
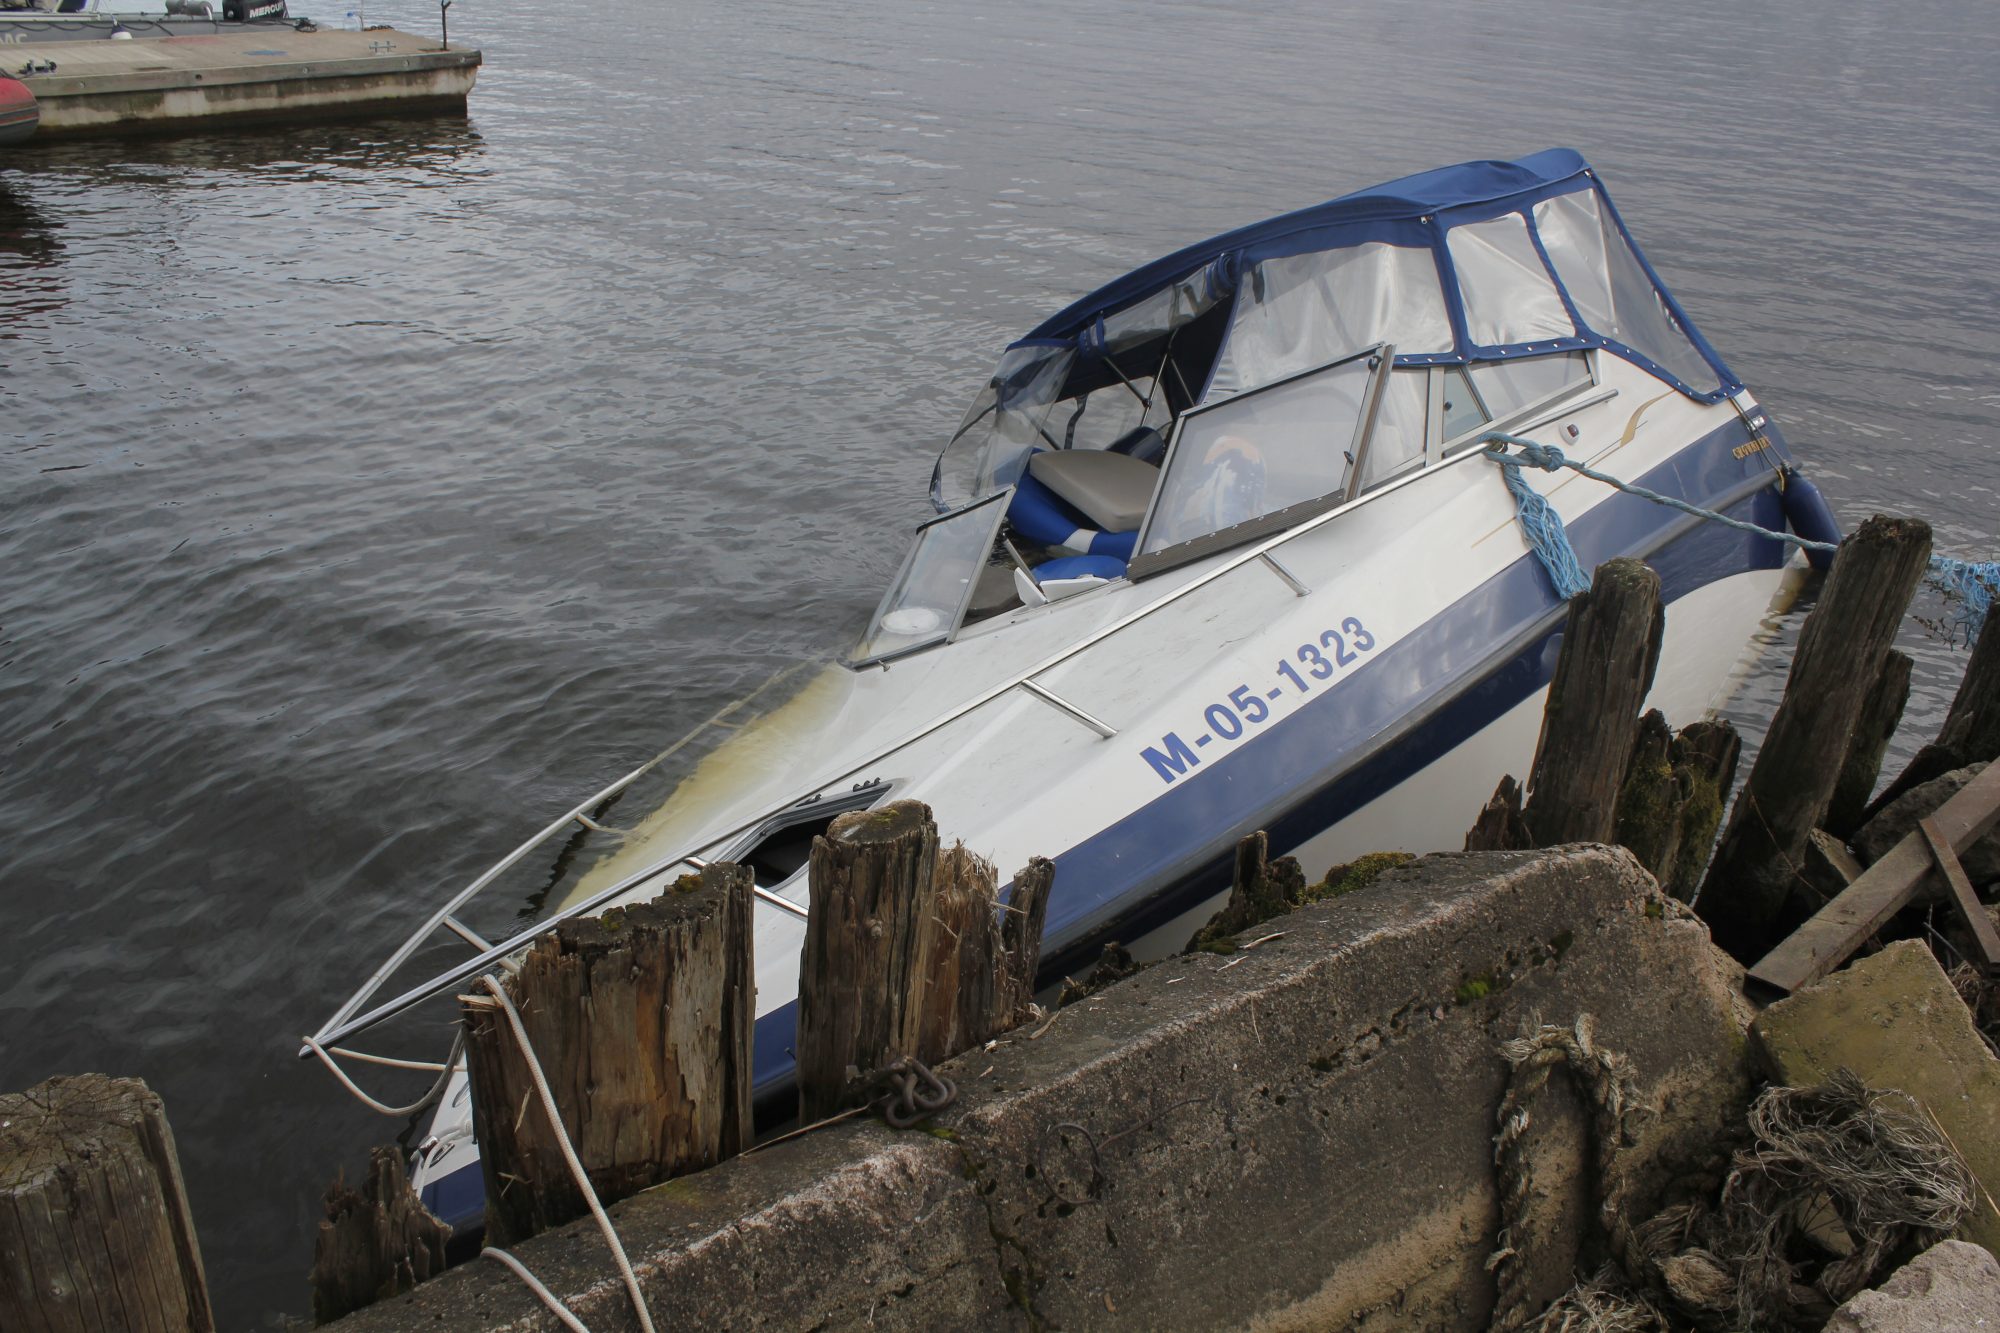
(193, 83)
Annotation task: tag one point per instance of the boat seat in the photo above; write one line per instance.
(1111, 490)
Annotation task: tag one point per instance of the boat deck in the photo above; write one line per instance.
(276, 74)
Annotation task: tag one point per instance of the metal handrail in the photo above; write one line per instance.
(344, 1024)
(507, 862)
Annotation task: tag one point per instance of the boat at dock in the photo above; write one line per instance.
(1221, 547)
(87, 20)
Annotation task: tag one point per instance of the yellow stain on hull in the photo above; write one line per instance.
(763, 750)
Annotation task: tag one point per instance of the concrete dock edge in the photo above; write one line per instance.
(1292, 1137)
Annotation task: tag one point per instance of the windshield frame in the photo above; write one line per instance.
(998, 500)
(1144, 564)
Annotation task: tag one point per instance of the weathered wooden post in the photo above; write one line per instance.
(1259, 889)
(1704, 757)
(374, 1243)
(1971, 731)
(871, 875)
(1837, 666)
(95, 1232)
(1611, 647)
(959, 956)
(1880, 713)
(642, 1020)
(1021, 942)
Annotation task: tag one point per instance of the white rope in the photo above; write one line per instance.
(520, 1270)
(389, 1060)
(499, 992)
(398, 1112)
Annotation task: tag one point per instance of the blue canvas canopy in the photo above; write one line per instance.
(1484, 261)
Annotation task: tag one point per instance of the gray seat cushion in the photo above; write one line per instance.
(1111, 490)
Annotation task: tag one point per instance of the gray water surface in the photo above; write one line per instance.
(368, 494)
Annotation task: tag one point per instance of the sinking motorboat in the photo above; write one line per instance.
(1219, 548)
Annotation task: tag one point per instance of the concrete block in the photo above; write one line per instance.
(1895, 1020)
(1297, 1136)
(1952, 1286)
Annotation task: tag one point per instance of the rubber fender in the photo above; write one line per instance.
(1809, 515)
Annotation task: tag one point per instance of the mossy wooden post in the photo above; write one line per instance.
(1704, 757)
(1880, 713)
(1611, 647)
(374, 1243)
(871, 877)
(642, 1022)
(1971, 731)
(1837, 666)
(95, 1232)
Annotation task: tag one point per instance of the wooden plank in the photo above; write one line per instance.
(1970, 909)
(1838, 929)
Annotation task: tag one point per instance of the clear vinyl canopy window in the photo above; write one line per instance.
(1305, 310)
(1610, 288)
(1509, 297)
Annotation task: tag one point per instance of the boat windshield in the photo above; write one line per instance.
(930, 593)
(1263, 460)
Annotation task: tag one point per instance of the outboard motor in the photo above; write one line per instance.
(245, 11)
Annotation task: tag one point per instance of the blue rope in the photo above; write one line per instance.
(1974, 582)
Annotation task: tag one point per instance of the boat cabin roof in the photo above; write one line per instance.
(1482, 261)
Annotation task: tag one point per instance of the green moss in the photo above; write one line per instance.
(681, 1189)
(1355, 875)
(1474, 988)
(1655, 909)
(946, 1133)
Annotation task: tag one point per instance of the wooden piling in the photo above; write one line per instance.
(375, 1242)
(960, 956)
(1021, 942)
(1611, 647)
(1880, 712)
(1259, 889)
(1971, 731)
(95, 1231)
(1837, 666)
(1704, 757)
(1499, 827)
(870, 876)
(642, 1021)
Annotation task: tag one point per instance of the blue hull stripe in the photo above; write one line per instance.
(1416, 701)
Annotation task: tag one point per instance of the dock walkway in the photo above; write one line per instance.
(192, 83)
